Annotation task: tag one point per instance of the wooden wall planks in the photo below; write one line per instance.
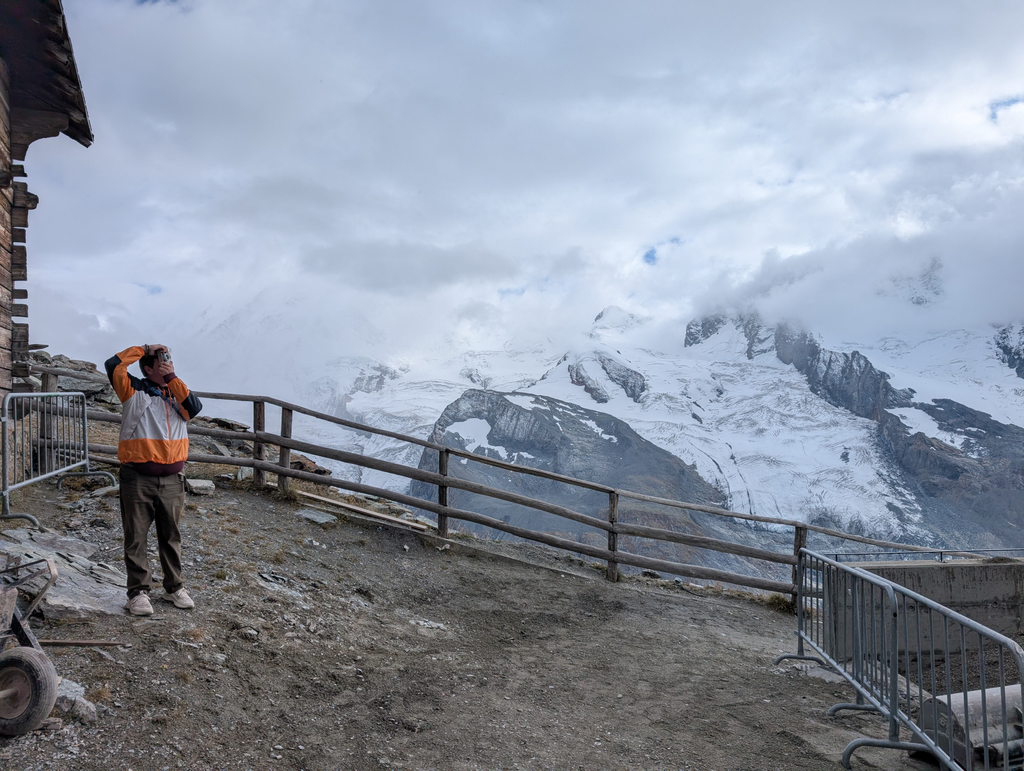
(6, 235)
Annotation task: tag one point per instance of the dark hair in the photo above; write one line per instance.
(147, 362)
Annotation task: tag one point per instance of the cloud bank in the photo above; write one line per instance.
(390, 178)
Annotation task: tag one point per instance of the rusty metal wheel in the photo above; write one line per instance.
(28, 690)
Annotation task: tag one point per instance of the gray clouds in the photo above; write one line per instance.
(411, 159)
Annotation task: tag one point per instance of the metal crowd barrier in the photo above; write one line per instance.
(950, 684)
(43, 435)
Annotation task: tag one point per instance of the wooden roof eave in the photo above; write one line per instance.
(46, 91)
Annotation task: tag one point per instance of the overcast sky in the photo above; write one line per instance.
(378, 177)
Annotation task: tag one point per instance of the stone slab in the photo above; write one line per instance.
(320, 517)
(52, 542)
(83, 588)
(200, 486)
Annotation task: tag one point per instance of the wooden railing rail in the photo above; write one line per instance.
(620, 557)
(443, 481)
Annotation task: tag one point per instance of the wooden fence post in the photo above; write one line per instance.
(48, 427)
(285, 459)
(442, 492)
(799, 542)
(259, 450)
(612, 573)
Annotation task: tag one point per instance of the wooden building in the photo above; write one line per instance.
(40, 96)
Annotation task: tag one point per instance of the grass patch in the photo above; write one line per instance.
(781, 603)
(99, 695)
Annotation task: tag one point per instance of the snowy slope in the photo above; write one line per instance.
(726, 403)
(754, 430)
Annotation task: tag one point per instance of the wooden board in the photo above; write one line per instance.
(19, 341)
(22, 197)
(360, 510)
(19, 263)
(8, 234)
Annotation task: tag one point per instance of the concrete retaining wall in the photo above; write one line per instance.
(990, 593)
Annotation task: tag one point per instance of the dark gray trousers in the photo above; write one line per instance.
(145, 500)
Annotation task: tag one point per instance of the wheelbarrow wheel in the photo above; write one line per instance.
(30, 683)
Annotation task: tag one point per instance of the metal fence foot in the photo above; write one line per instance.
(29, 517)
(798, 657)
(853, 707)
(884, 743)
(62, 477)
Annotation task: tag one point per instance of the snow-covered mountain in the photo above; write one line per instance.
(901, 438)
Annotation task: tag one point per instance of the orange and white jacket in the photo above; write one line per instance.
(153, 418)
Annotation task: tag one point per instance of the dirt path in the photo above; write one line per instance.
(366, 647)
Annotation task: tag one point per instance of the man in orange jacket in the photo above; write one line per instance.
(153, 448)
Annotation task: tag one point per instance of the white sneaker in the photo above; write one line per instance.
(180, 599)
(139, 605)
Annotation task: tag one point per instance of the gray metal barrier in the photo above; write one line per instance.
(43, 435)
(951, 685)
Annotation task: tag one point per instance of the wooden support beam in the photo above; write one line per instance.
(22, 197)
(19, 263)
(18, 235)
(29, 125)
(19, 311)
(259, 449)
(19, 294)
(19, 217)
(19, 341)
(285, 457)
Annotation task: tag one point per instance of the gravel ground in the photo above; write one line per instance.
(362, 646)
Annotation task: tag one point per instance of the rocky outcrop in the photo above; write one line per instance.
(846, 380)
(472, 374)
(566, 439)
(1009, 343)
(93, 383)
(974, 488)
(373, 380)
(578, 376)
(629, 380)
(760, 339)
(699, 330)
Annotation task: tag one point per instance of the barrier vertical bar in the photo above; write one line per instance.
(285, 458)
(259, 450)
(4, 426)
(984, 700)
(799, 542)
(612, 571)
(442, 492)
(964, 690)
(894, 670)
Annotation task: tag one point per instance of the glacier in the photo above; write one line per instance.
(716, 395)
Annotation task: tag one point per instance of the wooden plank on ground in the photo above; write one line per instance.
(361, 510)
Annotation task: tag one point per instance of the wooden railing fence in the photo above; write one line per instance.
(613, 556)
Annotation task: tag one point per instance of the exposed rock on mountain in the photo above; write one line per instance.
(566, 439)
(472, 374)
(846, 380)
(578, 375)
(629, 380)
(976, 484)
(699, 330)
(1010, 344)
(374, 379)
